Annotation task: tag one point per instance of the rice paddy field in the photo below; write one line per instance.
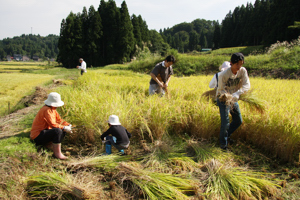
(17, 85)
(174, 151)
(101, 93)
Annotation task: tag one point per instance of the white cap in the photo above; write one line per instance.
(54, 100)
(224, 66)
(114, 120)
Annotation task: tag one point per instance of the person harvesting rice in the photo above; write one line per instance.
(116, 135)
(161, 75)
(48, 128)
(232, 82)
(82, 66)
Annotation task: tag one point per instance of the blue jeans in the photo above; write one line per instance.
(155, 88)
(226, 128)
(111, 140)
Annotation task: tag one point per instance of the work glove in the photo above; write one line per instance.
(103, 141)
(68, 129)
(235, 97)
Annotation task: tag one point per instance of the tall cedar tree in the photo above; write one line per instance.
(126, 37)
(94, 38)
(217, 35)
(136, 30)
(110, 16)
(66, 42)
(84, 42)
(143, 29)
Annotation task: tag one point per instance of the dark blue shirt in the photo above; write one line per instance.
(119, 132)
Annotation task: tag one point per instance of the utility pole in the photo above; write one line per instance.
(31, 30)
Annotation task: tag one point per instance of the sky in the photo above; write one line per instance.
(44, 17)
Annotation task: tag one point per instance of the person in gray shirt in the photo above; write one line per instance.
(161, 75)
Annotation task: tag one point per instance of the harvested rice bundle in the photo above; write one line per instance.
(156, 185)
(61, 186)
(249, 98)
(227, 182)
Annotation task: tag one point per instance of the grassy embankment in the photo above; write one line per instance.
(19, 79)
(203, 171)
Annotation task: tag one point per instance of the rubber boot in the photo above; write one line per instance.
(108, 149)
(57, 151)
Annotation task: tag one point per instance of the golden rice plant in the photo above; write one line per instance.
(101, 93)
(203, 152)
(226, 182)
(254, 103)
(157, 185)
(182, 164)
(105, 162)
(54, 185)
(14, 86)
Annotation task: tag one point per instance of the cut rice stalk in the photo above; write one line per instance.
(249, 98)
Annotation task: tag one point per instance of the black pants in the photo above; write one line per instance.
(82, 72)
(55, 135)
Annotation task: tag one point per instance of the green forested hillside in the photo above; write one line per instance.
(30, 45)
(261, 23)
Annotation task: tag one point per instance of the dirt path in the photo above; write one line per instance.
(9, 124)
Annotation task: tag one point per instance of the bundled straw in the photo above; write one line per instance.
(236, 183)
(157, 185)
(53, 186)
(249, 98)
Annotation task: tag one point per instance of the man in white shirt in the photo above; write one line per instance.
(82, 66)
(233, 82)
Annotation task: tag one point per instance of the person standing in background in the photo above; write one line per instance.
(82, 66)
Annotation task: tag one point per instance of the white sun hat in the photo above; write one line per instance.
(54, 100)
(224, 66)
(114, 120)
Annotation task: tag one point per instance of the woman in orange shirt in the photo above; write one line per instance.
(48, 128)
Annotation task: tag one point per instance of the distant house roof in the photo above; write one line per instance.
(18, 57)
(26, 58)
(36, 58)
(206, 49)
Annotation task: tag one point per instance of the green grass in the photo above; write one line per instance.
(16, 145)
(279, 63)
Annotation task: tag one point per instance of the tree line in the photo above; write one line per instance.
(110, 35)
(263, 23)
(30, 45)
(105, 36)
(192, 36)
